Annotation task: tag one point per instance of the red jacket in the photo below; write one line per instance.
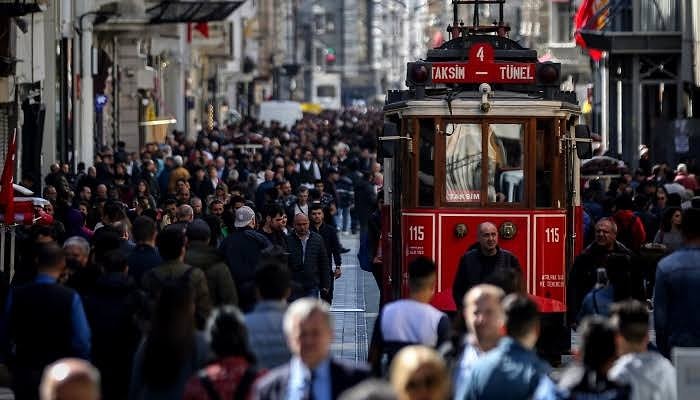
(630, 226)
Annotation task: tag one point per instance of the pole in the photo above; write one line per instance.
(12, 253)
(604, 100)
(619, 114)
(86, 144)
(2, 248)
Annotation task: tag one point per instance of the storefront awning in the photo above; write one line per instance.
(18, 8)
(191, 11)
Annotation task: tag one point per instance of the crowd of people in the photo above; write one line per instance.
(135, 257)
(204, 269)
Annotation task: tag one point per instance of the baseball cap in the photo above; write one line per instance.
(244, 215)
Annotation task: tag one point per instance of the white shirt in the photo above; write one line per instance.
(651, 376)
(411, 321)
(300, 381)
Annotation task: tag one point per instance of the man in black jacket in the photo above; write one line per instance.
(241, 249)
(330, 240)
(605, 252)
(115, 311)
(486, 263)
(273, 216)
(43, 322)
(307, 260)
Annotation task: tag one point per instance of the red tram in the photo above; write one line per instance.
(483, 133)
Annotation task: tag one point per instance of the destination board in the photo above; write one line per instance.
(481, 68)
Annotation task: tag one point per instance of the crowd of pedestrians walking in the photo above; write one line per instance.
(204, 269)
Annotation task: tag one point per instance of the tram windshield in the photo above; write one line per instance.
(464, 162)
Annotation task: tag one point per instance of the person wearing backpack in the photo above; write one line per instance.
(630, 228)
(232, 375)
(171, 246)
(409, 321)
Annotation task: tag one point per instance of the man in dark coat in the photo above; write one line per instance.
(241, 249)
(486, 263)
(273, 215)
(201, 255)
(144, 257)
(330, 240)
(115, 311)
(583, 275)
(307, 260)
(44, 321)
(311, 373)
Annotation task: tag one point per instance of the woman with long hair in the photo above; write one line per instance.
(172, 350)
(587, 377)
(144, 190)
(669, 233)
(232, 374)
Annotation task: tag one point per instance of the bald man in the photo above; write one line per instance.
(484, 318)
(308, 260)
(70, 379)
(486, 263)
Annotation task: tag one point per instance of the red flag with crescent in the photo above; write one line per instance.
(7, 192)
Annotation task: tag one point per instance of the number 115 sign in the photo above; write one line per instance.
(418, 236)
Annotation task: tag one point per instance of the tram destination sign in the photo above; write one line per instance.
(481, 68)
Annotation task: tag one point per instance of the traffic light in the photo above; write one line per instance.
(330, 55)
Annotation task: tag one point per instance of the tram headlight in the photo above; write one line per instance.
(548, 73)
(418, 74)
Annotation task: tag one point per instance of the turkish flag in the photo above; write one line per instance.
(7, 191)
(203, 28)
(583, 19)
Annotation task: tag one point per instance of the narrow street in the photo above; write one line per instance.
(355, 306)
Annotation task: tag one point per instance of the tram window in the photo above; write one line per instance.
(463, 163)
(544, 163)
(506, 158)
(426, 164)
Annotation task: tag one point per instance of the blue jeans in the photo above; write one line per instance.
(342, 218)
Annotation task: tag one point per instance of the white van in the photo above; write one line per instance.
(285, 112)
(326, 90)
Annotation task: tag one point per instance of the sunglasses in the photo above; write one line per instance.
(427, 382)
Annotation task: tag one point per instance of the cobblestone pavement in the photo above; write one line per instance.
(354, 308)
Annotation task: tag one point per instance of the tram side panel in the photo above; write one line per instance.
(537, 239)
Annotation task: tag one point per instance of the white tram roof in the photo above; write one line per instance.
(501, 106)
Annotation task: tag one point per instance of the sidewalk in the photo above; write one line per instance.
(354, 308)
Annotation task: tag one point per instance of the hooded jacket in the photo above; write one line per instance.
(221, 287)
